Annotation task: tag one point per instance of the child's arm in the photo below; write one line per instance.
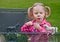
(25, 27)
(37, 26)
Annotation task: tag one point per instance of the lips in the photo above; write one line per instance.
(38, 18)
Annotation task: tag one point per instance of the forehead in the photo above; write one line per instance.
(38, 8)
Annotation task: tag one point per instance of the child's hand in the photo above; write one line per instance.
(29, 23)
(37, 26)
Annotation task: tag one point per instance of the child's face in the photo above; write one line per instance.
(38, 13)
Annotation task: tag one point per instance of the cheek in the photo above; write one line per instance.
(34, 16)
(42, 15)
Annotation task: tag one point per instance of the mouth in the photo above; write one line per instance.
(38, 18)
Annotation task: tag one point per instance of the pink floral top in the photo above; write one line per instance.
(26, 28)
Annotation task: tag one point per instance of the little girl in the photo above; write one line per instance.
(38, 12)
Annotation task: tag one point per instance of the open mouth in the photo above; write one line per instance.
(38, 18)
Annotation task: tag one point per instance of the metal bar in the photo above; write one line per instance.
(34, 33)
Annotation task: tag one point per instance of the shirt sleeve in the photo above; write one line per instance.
(25, 28)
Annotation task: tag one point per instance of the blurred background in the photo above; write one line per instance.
(54, 18)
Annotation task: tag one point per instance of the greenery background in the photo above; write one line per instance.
(54, 18)
(53, 4)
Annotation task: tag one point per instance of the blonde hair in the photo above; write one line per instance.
(30, 10)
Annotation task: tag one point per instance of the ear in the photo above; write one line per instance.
(48, 11)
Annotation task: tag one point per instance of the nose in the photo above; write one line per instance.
(38, 15)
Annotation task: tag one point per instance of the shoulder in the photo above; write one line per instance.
(46, 22)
